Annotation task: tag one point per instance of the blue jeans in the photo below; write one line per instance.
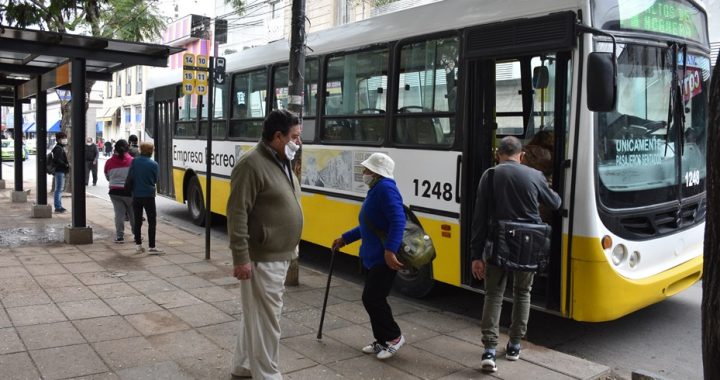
(59, 182)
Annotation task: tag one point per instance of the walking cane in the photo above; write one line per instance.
(327, 291)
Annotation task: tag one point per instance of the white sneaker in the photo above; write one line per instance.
(155, 251)
(373, 348)
(391, 349)
(139, 248)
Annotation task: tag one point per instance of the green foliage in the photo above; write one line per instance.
(132, 20)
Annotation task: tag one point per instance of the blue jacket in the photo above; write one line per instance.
(145, 175)
(383, 207)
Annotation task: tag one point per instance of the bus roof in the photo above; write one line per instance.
(426, 19)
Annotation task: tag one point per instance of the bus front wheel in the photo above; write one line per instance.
(195, 202)
(416, 283)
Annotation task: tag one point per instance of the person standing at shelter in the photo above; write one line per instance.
(62, 167)
(517, 192)
(382, 222)
(134, 149)
(91, 161)
(264, 224)
(116, 172)
(143, 177)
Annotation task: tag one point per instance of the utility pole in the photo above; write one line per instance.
(296, 79)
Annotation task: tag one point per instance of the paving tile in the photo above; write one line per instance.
(416, 333)
(368, 367)
(97, 278)
(153, 286)
(209, 365)
(199, 267)
(138, 275)
(423, 364)
(231, 307)
(351, 311)
(290, 328)
(314, 297)
(348, 293)
(132, 305)
(318, 372)
(224, 334)
(182, 258)
(68, 361)
(172, 299)
(18, 366)
(182, 344)
(165, 271)
(63, 249)
(311, 319)
(17, 284)
(201, 315)
(57, 281)
(327, 350)
(189, 282)
(564, 363)
(291, 360)
(9, 261)
(129, 352)
(355, 336)
(76, 257)
(471, 374)
(290, 303)
(85, 309)
(83, 267)
(152, 261)
(10, 341)
(34, 315)
(13, 271)
(4, 319)
(453, 349)
(438, 321)
(115, 290)
(70, 293)
(212, 294)
(225, 280)
(45, 269)
(158, 322)
(521, 368)
(50, 335)
(27, 298)
(105, 328)
(98, 376)
(37, 259)
(160, 371)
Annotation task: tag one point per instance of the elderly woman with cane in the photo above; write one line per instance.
(382, 221)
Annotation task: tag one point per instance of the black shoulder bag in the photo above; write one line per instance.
(516, 245)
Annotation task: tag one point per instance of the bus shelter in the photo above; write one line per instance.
(33, 62)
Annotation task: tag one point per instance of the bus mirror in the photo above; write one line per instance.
(540, 77)
(601, 82)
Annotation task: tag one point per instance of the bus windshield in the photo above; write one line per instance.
(636, 151)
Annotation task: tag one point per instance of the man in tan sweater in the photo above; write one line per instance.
(264, 224)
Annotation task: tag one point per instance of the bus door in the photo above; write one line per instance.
(161, 109)
(522, 92)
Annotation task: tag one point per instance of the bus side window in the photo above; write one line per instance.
(249, 96)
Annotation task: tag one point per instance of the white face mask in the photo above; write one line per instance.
(368, 179)
(63, 141)
(290, 149)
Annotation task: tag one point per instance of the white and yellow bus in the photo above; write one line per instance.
(436, 86)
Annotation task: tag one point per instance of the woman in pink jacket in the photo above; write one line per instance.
(116, 172)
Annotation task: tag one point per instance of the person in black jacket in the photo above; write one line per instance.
(62, 166)
(134, 148)
(91, 161)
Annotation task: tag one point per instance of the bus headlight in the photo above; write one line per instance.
(618, 254)
(634, 259)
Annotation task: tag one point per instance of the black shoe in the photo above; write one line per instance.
(488, 362)
(512, 353)
(60, 210)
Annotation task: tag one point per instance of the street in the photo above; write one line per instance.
(664, 338)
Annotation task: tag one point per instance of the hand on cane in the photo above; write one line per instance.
(338, 243)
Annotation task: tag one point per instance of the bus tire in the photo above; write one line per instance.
(195, 202)
(416, 283)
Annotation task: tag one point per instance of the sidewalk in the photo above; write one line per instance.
(102, 312)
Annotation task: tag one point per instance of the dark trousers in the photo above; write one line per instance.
(90, 166)
(378, 282)
(148, 204)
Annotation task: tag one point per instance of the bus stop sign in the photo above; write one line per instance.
(219, 74)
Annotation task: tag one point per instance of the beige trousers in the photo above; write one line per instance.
(258, 342)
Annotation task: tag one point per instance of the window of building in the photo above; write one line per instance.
(126, 110)
(128, 82)
(109, 90)
(138, 80)
(118, 84)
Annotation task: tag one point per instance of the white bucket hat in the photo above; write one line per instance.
(381, 164)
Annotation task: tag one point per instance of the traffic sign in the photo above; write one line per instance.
(201, 89)
(202, 60)
(219, 74)
(188, 59)
(188, 88)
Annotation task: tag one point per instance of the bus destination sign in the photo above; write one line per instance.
(662, 16)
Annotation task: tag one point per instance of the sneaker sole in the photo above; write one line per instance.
(488, 367)
(512, 358)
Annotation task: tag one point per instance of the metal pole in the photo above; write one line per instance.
(18, 132)
(41, 138)
(77, 107)
(327, 292)
(208, 161)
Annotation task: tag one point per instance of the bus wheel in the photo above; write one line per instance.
(195, 202)
(416, 283)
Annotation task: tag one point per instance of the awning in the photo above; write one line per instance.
(55, 128)
(29, 127)
(109, 113)
(99, 127)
